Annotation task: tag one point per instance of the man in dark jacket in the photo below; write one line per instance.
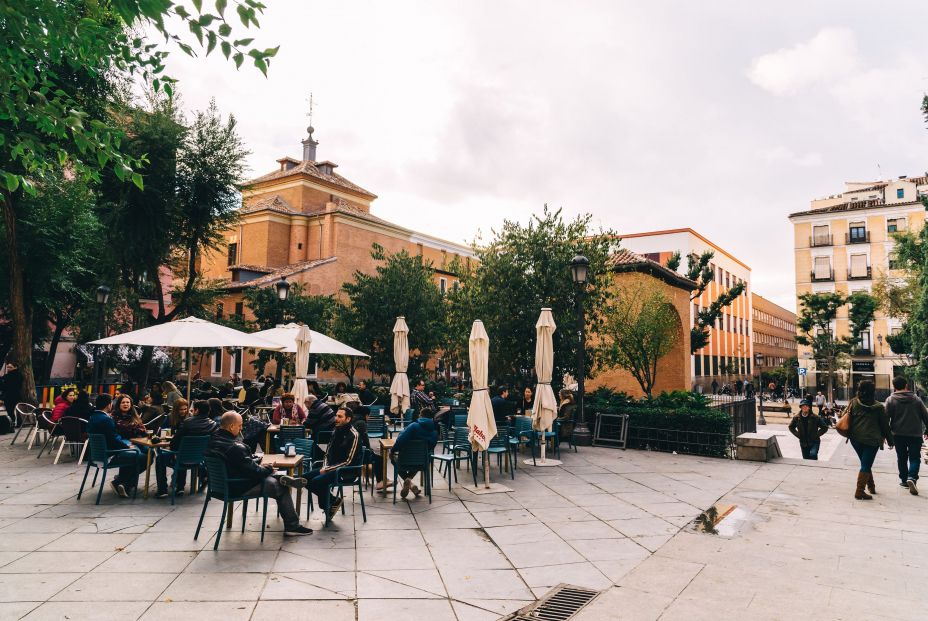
(241, 464)
(252, 394)
(365, 394)
(319, 416)
(423, 429)
(200, 424)
(131, 461)
(11, 389)
(502, 407)
(908, 419)
(344, 449)
(809, 428)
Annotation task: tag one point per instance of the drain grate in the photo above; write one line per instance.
(560, 604)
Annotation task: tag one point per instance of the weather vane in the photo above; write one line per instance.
(311, 106)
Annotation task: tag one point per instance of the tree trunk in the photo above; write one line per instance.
(20, 314)
(60, 325)
(147, 353)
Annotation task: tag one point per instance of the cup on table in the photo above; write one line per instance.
(284, 421)
(164, 433)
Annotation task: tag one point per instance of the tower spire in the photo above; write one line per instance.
(309, 143)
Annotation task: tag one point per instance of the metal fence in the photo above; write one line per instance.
(743, 414)
(682, 442)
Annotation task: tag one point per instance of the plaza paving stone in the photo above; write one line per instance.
(798, 546)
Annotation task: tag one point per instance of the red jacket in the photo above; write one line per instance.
(60, 406)
(296, 414)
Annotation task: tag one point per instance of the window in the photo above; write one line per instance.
(822, 268)
(858, 266)
(894, 261)
(865, 340)
(698, 366)
(237, 361)
(454, 286)
(857, 232)
(821, 235)
(233, 254)
(239, 309)
(217, 362)
(219, 311)
(894, 225)
(900, 192)
(443, 285)
(299, 245)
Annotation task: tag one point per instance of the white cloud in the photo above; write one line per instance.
(827, 57)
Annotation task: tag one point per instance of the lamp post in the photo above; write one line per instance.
(879, 338)
(579, 268)
(283, 292)
(99, 372)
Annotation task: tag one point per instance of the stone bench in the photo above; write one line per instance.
(782, 407)
(759, 446)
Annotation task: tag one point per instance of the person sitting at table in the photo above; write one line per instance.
(128, 422)
(249, 395)
(527, 404)
(365, 394)
(288, 408)
(423, 429)
(502, 407)
(241, 464)
(148, 411)
(171, 394)
(157, 394)
(63, 402)
(226, 390)
(421, 402)
(215, 408)
(130, 463)
(200, 424)
(565, 413)
(320, 417)
(81, 408)
(178, 413)
(344, 449)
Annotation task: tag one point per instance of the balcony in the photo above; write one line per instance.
(864, 352)
(816, 241)
(860, 275)
(862, 237)
(819, 277)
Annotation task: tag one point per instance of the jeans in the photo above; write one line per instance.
(162, 461)
(810, 451)
(131, 464)
(318, 483)
(866, 454)
(908, 456)
(281, 494)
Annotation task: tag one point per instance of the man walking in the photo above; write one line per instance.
(820, 402)
(809, 428)
(908, 419)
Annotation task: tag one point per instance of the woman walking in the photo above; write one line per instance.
(869, 428)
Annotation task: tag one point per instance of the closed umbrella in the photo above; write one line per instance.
(188, 333)
(480, 419)
(545, 410)
(399, 388)
(303, 342)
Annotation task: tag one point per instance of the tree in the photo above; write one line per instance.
(402, 285)
(641, 327)
(912, 253)
(699, 270)
(63, 63)
(345, 327)
(521, 270)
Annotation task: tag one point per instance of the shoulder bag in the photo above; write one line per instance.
(843, 426)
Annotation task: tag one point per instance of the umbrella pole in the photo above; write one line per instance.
(544, 445)
(486, 471)
(189, 371)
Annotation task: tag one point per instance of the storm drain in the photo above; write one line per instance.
(560, 604)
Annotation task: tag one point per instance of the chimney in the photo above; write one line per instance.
(309, 146)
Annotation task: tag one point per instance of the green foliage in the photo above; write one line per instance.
(606, 399)
(401, 286)
(640, 328)
(522, 269)
(345, 327)
(673, 262)
(707, 316)
(912, 253)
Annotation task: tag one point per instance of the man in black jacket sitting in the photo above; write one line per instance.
(344, 449)
(200, 424)
(241, 464)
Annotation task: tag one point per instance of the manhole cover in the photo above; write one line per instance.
(561, 603)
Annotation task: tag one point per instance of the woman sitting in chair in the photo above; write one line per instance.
(565, 413)
(63, 402)
(178, 413)
(128, 422)
(81, 408)
(290, 409)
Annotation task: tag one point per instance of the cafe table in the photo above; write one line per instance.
(385, 445)
(271, 430)
(150, 444)
(279, 461)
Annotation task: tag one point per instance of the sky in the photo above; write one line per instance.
(722, 116)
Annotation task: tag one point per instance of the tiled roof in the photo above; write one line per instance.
(627, 261)
(308, 167)
(853, 206)
(251, 268)
(273, 203)
(278, 273)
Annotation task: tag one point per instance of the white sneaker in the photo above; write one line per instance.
(407, 483)
(416, 491)
(913, 489)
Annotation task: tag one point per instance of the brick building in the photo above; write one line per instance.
(774, 334)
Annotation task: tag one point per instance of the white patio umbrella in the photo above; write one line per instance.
(188, 333)
(399, 388)
(545, 410)
(480, 419)
(303, 346)
(285, 336)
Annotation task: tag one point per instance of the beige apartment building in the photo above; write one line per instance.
(844, 243)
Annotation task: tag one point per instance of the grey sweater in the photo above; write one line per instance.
(907, 414)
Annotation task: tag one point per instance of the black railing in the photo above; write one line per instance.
(743, 414)
(863, 351)
(821, 240)
(823, 277)
(681, 442)
(866, 275)
(857, 238)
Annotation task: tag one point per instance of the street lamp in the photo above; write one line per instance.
(103, 296)
(283, 292)
(579, 268)
(879, 338)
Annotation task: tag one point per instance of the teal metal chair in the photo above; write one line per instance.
(352, 476)
(499, 446)
(457, 450)
(521, 433)
(458, 418)
(100, 458)
(188, 456)
(289, 433)
(409, 417)
(414, 456)
(376, 427)
(218, 488)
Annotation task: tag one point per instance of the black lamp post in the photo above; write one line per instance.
(579, 268)
(283, 292)
(103, 296)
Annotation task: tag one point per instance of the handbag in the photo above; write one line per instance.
(843, 426)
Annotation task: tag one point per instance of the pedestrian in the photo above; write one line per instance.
(809, 428)
(11, 390)
(820, 402)
(908, 419)
(869, 428)
(715, 387)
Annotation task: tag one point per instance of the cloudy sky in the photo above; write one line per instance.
(723, 116)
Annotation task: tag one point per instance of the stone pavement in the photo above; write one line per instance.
(609, 520)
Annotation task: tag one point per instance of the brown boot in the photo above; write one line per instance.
(860, 494)
(871, 486)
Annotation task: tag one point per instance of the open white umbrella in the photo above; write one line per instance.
(303, 346)
(545, 410)
(285, 336)
(188, 333)
(480, 419)
(399, 388)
